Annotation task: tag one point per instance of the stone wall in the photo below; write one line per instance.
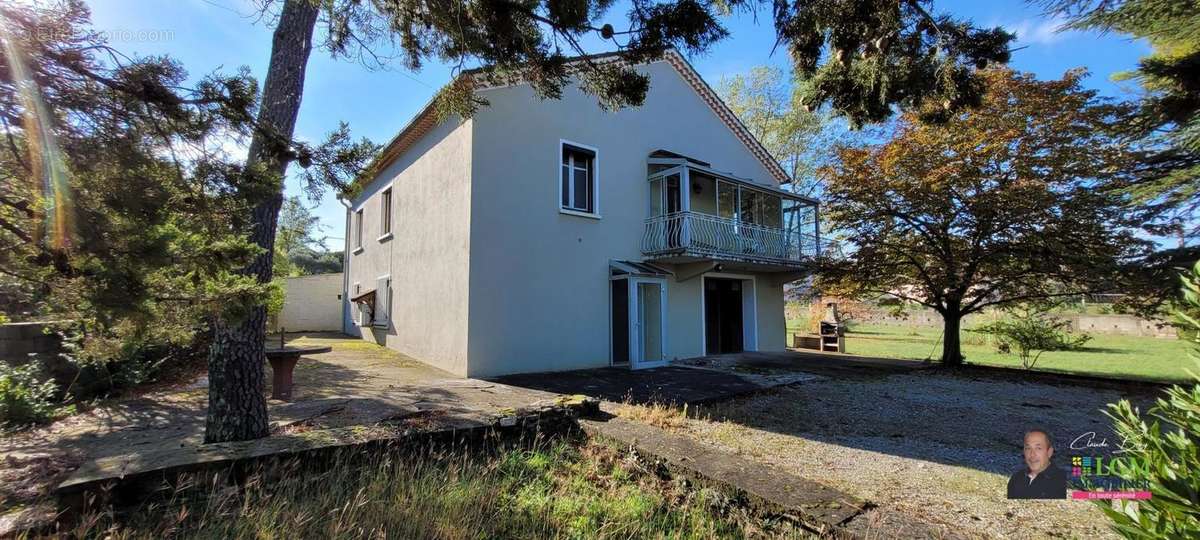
(21, 343)
(20, 340)
(1126, 325)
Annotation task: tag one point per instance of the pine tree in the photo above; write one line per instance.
(1167, 125)
(103, 221)
(864, 57)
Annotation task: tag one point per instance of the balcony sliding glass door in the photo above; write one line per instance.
(693, 208)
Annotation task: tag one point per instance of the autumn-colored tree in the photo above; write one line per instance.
(995, 207)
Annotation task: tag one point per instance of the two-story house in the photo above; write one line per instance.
(545, 235)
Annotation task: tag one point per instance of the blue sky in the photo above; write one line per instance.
(207, 35)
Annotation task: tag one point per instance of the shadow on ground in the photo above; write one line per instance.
(358, 383)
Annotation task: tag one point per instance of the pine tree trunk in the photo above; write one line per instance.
(237, 405)
(951, 341)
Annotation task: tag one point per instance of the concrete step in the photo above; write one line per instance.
(812, 504)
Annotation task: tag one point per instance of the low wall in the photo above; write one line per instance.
(1126, 325)
(20, 340)
(21, 343)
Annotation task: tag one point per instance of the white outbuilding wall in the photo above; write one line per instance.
(311, 304)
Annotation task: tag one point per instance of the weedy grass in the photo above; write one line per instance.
(659, 415)
(553, 490)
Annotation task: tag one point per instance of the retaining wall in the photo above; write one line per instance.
(1126, 325)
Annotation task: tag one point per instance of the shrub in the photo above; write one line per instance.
(1170, 460)
(111, 360)
(1031, 333)
(24, 399)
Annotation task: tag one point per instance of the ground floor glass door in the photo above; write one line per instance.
(639, 329)
(650, 324)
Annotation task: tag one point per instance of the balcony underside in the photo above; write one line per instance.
(730, 262)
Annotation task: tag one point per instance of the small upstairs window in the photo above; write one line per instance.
(385, 207)
(578, 179)
(358, 229)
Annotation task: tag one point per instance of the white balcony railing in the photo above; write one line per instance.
(708, 235)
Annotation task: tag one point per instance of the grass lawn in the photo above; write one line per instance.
(1126, 357)
(591, 490)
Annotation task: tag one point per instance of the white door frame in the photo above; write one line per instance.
(635, 321)
(749, 310)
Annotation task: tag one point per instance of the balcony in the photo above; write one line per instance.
(688, 236)
(700, 215)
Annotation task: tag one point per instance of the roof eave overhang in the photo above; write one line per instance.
(427, 118)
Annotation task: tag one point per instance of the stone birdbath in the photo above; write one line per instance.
(283, 360)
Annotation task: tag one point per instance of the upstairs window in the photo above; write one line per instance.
(578, 179)
(358, 226)
(386, 217)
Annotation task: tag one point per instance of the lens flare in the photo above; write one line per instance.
(48, 177)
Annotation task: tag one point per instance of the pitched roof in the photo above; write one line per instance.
(426, 119)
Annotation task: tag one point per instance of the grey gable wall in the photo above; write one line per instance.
(427, 257)
(538, 294)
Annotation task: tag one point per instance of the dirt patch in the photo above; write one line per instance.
(23, 478)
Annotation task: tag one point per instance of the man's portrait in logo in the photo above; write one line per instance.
(1039, 478)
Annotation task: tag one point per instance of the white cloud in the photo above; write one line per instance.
(1039, 31)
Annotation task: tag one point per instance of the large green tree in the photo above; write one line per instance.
(118, 207)
(102, 221)
(994, 207)
(295, 235)
(1167, 123)
(866, 57)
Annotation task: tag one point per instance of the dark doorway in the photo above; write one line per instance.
(722, 315)
(620, 321)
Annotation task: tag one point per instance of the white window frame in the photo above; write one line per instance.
(381, 316)
(595, 212)
(386, 202)
(358, 309)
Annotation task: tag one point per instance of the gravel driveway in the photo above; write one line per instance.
(933, 449)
